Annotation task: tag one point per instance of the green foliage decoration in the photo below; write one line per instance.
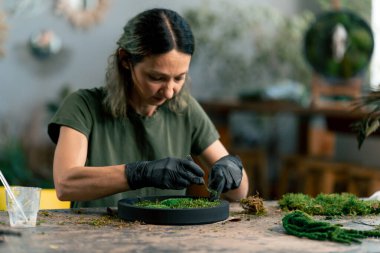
(335, 204)
(371, 121)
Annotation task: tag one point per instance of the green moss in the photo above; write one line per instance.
(300, 224)
(179, 203)
(329, 204)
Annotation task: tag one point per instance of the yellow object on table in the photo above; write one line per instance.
(48, 200)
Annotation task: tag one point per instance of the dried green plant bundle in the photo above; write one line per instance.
(179, 203)
(329, 204)
(253, 204)
(300, 224)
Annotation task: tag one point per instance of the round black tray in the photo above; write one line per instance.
(171, 216)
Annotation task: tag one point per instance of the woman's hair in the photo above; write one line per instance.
(152, 32)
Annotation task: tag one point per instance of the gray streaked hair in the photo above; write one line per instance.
(152, 32)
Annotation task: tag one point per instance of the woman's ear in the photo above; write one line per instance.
(121, 53)
(123, 58)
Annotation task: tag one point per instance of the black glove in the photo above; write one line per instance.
(226, 174)
(166, 173)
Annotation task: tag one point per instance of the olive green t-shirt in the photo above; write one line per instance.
(113, 141)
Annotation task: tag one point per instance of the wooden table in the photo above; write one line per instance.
(95, 230)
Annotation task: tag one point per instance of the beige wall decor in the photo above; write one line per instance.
(45, 44)
(82, 13)
(3, 33)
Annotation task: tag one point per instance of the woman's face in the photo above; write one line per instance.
(158, 78)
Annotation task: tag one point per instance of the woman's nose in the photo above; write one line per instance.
(168, 90)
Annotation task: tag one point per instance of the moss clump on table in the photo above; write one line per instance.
(179, 203)
(253, 205)
(300, 224)
(329, 204)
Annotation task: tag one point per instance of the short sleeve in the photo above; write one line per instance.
(74, 112)
(204, 132)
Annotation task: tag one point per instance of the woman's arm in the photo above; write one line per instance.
(75, 182)
(212, 154)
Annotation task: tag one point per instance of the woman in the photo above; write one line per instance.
(133, 137)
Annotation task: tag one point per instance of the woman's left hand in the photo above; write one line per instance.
(226, 174)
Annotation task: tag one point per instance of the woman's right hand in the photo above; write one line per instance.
(166, 173)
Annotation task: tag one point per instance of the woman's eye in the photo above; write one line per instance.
(164, 79)
(180, 78)
(156, 78)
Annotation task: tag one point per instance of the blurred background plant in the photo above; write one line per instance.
(27, 159)
(247, 47)
(13, 162)
(240, 49)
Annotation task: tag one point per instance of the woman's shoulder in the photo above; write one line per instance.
(193, 103)
(91, 93)
(92, 99)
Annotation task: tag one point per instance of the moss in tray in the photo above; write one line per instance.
(179, 203)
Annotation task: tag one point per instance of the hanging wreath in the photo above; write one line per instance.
(339, 45)
(82, 13)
